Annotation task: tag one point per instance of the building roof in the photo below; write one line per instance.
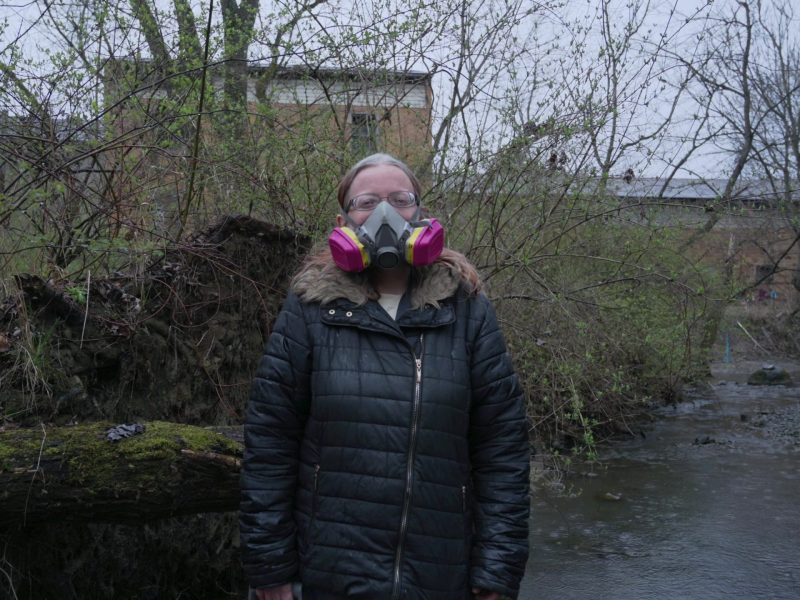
(354, 74)
(305, 72)
(696, 190)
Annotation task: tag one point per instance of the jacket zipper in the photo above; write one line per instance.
(398, 557)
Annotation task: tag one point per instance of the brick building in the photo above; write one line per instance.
(755, 232)
(304, 127)
(360, 111)
(366, 112)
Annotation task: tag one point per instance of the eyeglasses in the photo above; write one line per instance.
(365, 202)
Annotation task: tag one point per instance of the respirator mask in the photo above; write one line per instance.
(386, 240)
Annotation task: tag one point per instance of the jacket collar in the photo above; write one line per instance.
(320, 280)
(372, 317)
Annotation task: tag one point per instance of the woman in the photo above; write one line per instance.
(386, 444)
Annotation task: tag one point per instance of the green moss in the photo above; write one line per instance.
(159, 446)
(19, 446)
(769, 377)
(5, 452)
(102, 466)
(164, 440)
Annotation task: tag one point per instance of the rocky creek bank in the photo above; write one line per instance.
(781, 422)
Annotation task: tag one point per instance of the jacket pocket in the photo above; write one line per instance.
(466, 514)
(314, 497)
(308, 534)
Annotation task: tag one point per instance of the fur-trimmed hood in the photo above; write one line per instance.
(320, 280)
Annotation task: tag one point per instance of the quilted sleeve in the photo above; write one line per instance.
(500, 457)
(273, 429)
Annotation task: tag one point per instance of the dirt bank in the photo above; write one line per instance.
(177, 342)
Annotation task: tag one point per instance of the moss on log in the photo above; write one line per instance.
(76, 473)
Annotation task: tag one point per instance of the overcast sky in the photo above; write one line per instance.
(554, 30)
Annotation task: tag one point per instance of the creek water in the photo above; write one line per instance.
(705, 506)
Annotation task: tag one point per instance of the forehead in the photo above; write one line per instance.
(380, 179)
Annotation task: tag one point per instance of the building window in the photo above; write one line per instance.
(365, 134)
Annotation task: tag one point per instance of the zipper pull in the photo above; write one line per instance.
(464, 498)
(418, 362)
(316, 476)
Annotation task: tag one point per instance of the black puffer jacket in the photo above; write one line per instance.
(386, 459)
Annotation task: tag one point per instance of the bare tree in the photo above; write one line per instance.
(519, 121)
(776, 87)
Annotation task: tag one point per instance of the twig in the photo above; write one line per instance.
(10, 582)
(752, 339)
(35, 471)
(86, 308)
(230, 461)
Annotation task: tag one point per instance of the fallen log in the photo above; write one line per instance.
(79, 473)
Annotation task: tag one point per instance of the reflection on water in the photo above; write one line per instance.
(707, 509)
